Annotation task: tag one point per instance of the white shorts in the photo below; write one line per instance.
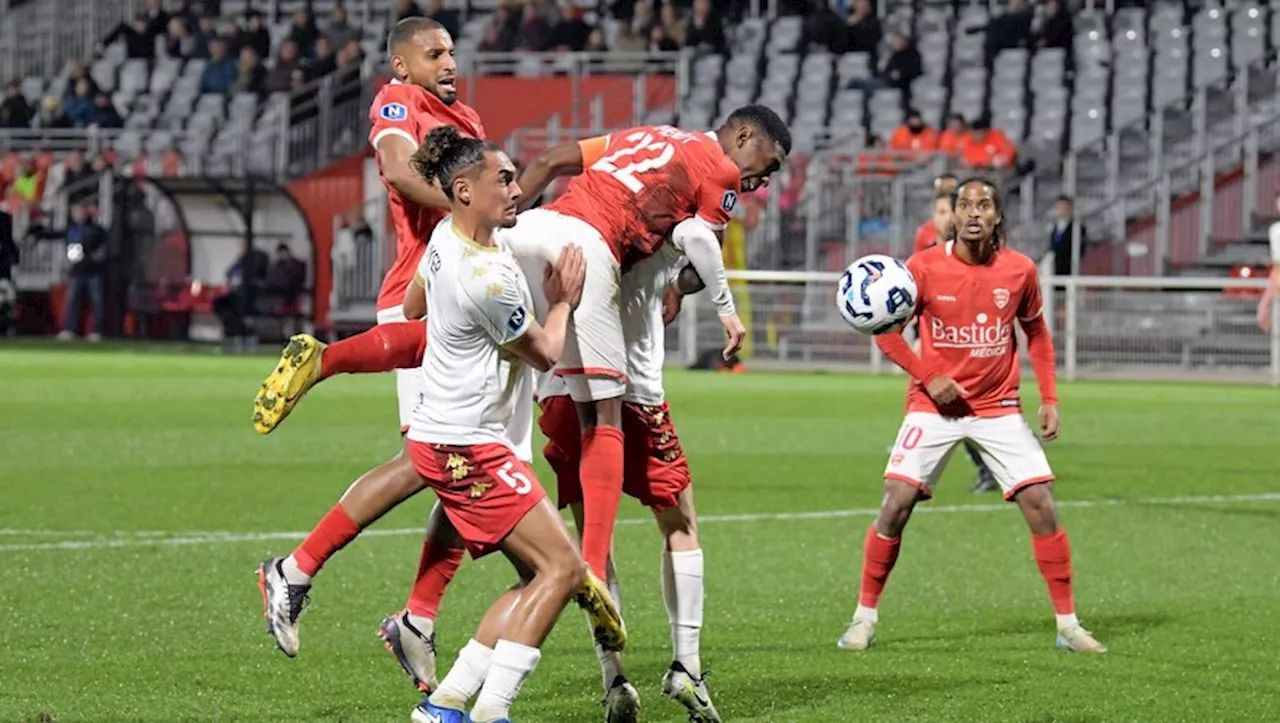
(594, 362)
(1006, 444)
(410, 383)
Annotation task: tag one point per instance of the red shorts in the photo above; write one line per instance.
(655, 471)
(483, 488)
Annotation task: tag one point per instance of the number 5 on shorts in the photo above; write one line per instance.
(517, 481)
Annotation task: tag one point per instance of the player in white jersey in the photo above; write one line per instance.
(655, 472)
(1269, 296)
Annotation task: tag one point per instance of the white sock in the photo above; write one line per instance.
(1067, 621)
(610, 666)
(614, 588)
(465, 677)
(683, 593)
(292, 573)
(863, 612)
(426, 626)
(512, 665)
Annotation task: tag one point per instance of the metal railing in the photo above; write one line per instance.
(1137, 328)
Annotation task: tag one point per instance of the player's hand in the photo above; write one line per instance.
(734, 333)
(1049, 422)
(1264, 316)
(945, 390)
(562, 283)
(671, 300)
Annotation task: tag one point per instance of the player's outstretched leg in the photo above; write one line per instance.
(410, 634)
(285, 581)
(1053, 557)
(879, 554)
(306, 361)
(683, 593)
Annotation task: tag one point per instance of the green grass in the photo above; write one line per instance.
(96, 447)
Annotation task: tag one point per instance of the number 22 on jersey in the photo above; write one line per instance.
(643, 155)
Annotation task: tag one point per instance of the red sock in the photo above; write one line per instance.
(435, 570)
(332, 534)
(398, 345)
(601, 475)
(1053, 557)
(878, 558)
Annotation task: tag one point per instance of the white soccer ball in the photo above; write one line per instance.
(877, 294)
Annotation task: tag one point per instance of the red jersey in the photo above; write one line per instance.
(409, 111)
(637, 184)
(926, 236)
(967, 314)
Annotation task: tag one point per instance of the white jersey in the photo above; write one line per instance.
(474, 391)
(645, 334)
(1273, 235)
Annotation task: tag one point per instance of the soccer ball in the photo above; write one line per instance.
(877, 294)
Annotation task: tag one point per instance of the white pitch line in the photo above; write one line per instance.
(213, 538)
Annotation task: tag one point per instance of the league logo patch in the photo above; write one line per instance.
(393, 112)
(517, 319)
(729, 201)
(1002, 298)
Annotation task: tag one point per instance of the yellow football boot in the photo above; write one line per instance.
(298, 371)
(602, 613)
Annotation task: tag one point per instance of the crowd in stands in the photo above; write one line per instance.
(644, 26)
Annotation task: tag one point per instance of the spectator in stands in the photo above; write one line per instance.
(904, 64)
(76, 72)
(988, 148)
(340, 31)
(104, 113)
(157, 20)
(178, 43)
(705, 32)
(287, 278)
(952, 139)
(1062, 234)
(183, 11)
(914, 135)
(87, 257)
(402, 9)
(822, 28)
(535, 31)
(1055, 28)
(643, 18)
(443, 15)
(659, 42)
(204, 34)
(139, 43)
(325, 62)
(303, 32)
(15, 111)
(499, 35)
(570, 34)
(250, 75)
(674, 22)
(1012, 29)
(346, 81)
(596, 43)
(229, 32)
(245, 280)
(79, 105)
(627, 42)
(281, 76)
(72, 177)
(255, 35)
(219, 71)
(863, 32)
(26, 181)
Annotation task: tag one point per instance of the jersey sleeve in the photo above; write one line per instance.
(718, 196)
(498, 305)
(394, 113)
(1273, 234)
(1032, 304)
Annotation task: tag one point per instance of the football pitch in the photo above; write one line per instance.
(137, 501)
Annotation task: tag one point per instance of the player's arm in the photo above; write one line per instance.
(415, 298)
(895, 347)
(1040, 349)
(700, 243)
(394, 152)
(566, 159)
(1269, 296)
(542, 344)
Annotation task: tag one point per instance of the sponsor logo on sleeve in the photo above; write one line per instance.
(517, 319)
(394, 112)
(729, 201)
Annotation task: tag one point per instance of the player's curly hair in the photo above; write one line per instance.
(995, 194)
(448, 154)
(763, 118)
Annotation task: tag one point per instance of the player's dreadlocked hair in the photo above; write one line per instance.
(998, 234)
(404, 31)
(765, 120)
(448, 154)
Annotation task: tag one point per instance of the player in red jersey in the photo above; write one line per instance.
(939, 224)
(422, 96)
(972, 291)
(629, 191)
